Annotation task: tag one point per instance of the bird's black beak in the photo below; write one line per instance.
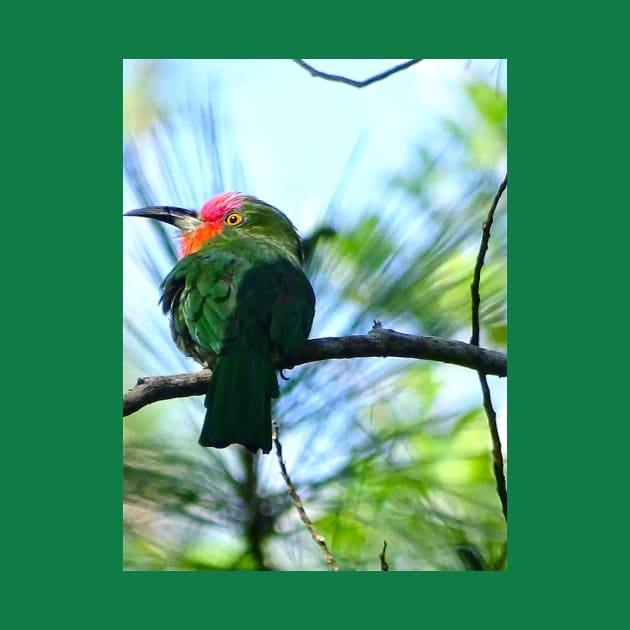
(185, 220)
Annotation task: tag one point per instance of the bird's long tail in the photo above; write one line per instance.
(238, 401)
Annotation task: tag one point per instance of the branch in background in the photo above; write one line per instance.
(317, 537)
(258, 524)
(379, 342)
(309, 243)
(353, 82)
(497, 455)
(483, 248)
(384, 565)
(470, 558)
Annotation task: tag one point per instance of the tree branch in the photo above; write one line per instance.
(384, 565)
(317, 537)
(257, 524)
(379, 342)
(354, 82)
(483, 248)
(497, 455)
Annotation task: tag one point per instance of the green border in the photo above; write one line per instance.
(65, 487)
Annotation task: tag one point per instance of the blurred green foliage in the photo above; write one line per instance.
(378, 449)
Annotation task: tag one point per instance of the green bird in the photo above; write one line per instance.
(238, 302)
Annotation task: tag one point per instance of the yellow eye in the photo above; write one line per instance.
(234, 218)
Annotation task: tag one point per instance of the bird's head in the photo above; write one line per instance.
(230, 214)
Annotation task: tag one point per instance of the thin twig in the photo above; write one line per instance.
(317, 537)
(354, 82)
(483, 248)
(384, 565)
(379, 342)
(497, 455)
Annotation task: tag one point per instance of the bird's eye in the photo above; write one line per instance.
(234, 218)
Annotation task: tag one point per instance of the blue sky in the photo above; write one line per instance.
(294, 133)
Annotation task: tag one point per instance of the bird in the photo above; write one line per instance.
(238, 302)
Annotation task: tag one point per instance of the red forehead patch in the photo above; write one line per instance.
(216, 207)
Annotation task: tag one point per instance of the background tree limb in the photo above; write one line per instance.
(379, 342)
(497, 455)
(354, 82)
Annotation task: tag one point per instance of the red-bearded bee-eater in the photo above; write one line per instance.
(238, 302)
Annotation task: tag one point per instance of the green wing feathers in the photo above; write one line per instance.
(293, 310)
(200, 294)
